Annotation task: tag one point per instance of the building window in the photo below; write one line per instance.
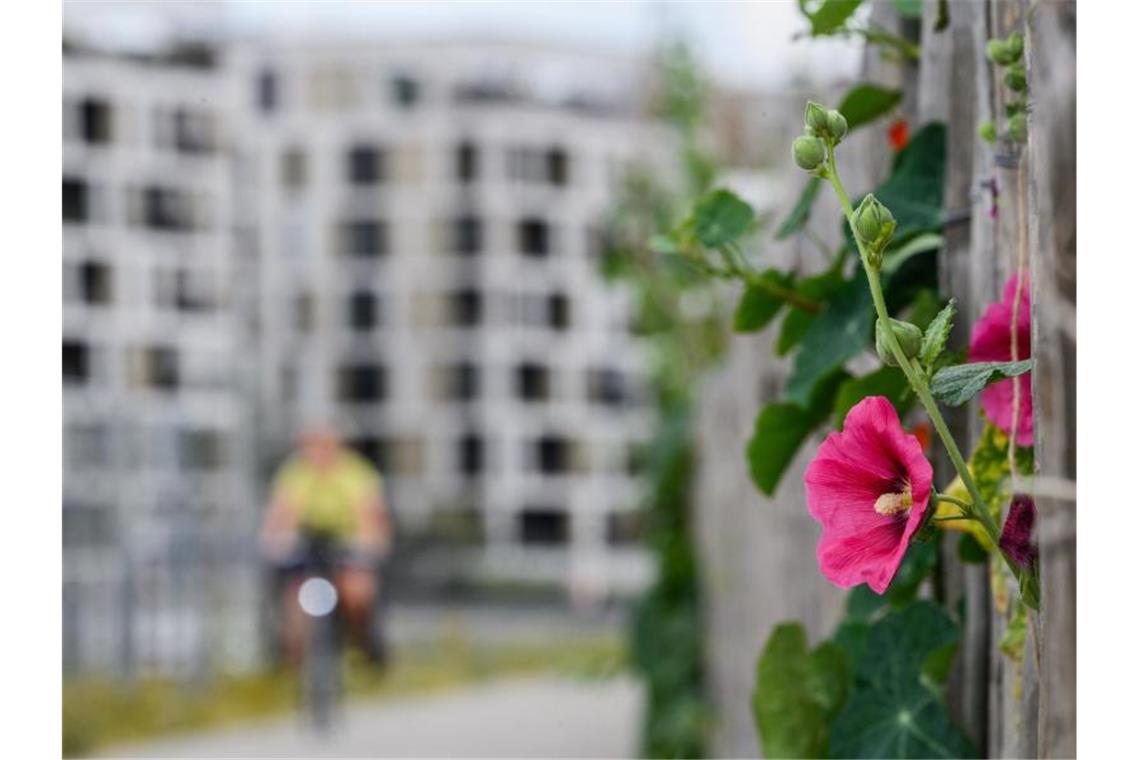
(467, 162)
(95, 121)
(606, 386)
(294, 171)
(470, 454)
(544, 526)
(267, 91)
(362, 383)
(532, 382)
(458, 382)
(76, 362)
(533, 237)
(365, 165)
(200, 450)
(466, 307)
(370, 448)
(553, 455)
(95, 282)
(166, 209)
(625, 527)
(304, 312)
(365, 237)
(557, 166)
(160, 368)
(75, 200)
(362, 311)
(558, 311)
(193, 131)
(405, 90)
(467, 235)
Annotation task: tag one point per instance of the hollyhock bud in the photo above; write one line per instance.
(874, 224)
(836, 125)
(909, 337)
(1015, 78)
(987, 131)
(1014, 46)
(1017, 536)
(815, 118)
(996, 52)
(808, 152)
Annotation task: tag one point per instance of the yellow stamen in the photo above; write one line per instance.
(892, 503)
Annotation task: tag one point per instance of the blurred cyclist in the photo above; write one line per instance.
(326, 489)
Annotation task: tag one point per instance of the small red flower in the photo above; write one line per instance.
(868, 486)
(990, 342)
(898, 134)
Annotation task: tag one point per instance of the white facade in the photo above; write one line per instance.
(425, 221)
(157, 480)
(398, 239)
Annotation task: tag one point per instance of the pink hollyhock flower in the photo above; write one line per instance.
(868, 486)
(990, 343)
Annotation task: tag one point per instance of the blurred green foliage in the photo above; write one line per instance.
(685, 329)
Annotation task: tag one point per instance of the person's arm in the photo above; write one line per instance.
(375, 527)
(279, 526)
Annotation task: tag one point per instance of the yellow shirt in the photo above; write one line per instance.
(327, 500)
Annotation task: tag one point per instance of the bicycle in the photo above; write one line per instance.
(321, 687)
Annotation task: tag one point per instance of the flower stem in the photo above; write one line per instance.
(964, 506)
(978, 510)
(734, 259)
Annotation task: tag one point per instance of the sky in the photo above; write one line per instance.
(744, 44)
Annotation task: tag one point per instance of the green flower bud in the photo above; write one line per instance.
(836, 125)
(874, 224)
(815, 118)
(1014, 46)
(996, 51)
(1015, 78)
(808, 152)
(1018, 127)
(987, 131)
(909, 337)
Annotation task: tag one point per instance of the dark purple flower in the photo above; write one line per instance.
(1017, 540)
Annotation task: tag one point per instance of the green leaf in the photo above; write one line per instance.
(921, 243)
(958, 384)
(758, 306)
(866, 102)
(894, 710)
(841, 332)
(913, 191)
(720, 218)
(796, 693)
(830, 15)
(936, 335)
(909, 721)
(801, 213)
(970, 551)
(925, 308)
(780, 430)
(885, 381)
(821, 287)
(916, 566)
(1013, 642)
(908, 8)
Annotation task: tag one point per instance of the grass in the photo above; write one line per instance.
(98, 713)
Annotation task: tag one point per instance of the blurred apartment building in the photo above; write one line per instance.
(426, 222)
(397, 239)
(158, 492)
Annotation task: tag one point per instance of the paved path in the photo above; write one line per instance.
(544, 717)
